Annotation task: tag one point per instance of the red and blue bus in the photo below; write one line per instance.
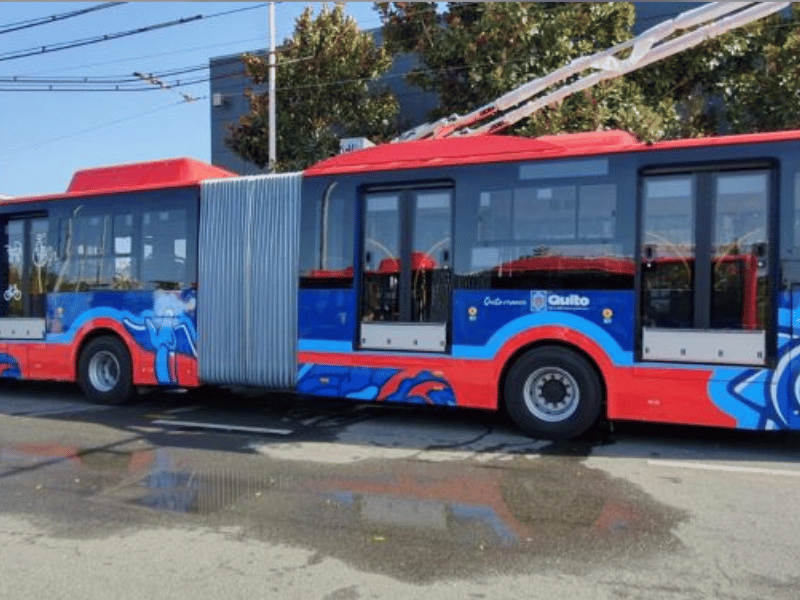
(565, 278)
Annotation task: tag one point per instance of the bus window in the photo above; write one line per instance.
(329, 262)
(85, 264)
(28, 266)
(382, 266)
(15, 252)
(738, 270)
(543, 235)
(125, 267)
(797, 212)
(668, 260)
(164, 249)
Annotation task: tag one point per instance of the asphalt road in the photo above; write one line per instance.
(223, 495)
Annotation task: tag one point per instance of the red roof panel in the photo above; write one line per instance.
(154, 175)
(173, 172)
(480, 149)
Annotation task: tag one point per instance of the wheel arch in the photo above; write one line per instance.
(110, 328)
(554, 342)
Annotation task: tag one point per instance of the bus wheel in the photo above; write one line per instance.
(104, 371)
(553, 393)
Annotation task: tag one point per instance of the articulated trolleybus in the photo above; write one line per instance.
(564, 278)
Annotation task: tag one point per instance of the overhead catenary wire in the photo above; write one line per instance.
(36, 22)
(59, 46)
(73, 134)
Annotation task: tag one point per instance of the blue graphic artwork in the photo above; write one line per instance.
(161, 322)
(762, 398)
(167, 330)
(375, 384)
(9, 367)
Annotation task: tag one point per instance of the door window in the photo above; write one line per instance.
(28, 259)
(705, 267)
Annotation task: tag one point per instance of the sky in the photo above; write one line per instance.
(45, 136)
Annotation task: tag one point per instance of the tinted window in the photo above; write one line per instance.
(125, 276)
(668, 258)
(145, 242)
(327, 246)
(164, 237)
(84, 243)
(541, 233)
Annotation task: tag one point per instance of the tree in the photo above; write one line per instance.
(475, 52)
(746, 80)
(761, 86)
(325, 90)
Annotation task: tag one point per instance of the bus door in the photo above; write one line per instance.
(24, 266)
(406, 269)
(705, 267)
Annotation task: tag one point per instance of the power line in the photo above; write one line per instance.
(144, 56)
(122, 83)
(122, 79)
(48, 48)
(27, 24)
(73, 134)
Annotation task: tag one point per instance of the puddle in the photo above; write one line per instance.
(414, 520)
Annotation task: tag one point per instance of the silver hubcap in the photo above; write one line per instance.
(104, 371)
(551, 394)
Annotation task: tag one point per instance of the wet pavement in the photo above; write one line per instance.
(415, 517)
(418, 496)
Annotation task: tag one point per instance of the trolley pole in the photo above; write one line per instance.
(272, 150)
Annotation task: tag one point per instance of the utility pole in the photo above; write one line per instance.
(272, 151)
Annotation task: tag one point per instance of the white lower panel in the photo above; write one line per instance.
(706, 346)
(424, 337)
(12, 328)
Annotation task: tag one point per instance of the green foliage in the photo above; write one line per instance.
(473, 53)
(326, 90)
(761, 89)
(744, 81)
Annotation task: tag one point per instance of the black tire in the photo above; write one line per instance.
(104, 371)
(553, 392)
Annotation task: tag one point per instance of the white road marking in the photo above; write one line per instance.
(223, 427)
(723, 468)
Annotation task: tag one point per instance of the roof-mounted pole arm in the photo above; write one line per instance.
(610, 66)
(655, 54)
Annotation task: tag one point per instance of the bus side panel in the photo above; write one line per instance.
(409, 379)
(742, 397)
(664, 395)
(491, 327)
(50, 362)
(327, 315)
(159, 328)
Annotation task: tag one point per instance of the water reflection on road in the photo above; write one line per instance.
(410, 517)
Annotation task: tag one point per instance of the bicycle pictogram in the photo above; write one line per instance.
(13, 292)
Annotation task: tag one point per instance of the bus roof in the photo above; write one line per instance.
(481, 149)
(151, 175)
